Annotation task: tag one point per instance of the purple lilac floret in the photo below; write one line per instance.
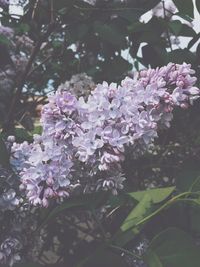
(4, 3)
(88, 138)
(6, 31)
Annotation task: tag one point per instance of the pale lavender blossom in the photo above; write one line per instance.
(9, 251)
(97, 131)
(6, 31)
(4, 3)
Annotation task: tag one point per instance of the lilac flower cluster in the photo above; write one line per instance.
(89, 138)
(17, 51)
(10, 201)
(6, 31)
(79, 84)
(4, 3)
(9, 251)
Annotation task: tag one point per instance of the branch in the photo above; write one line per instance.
(167, 30)
(34, 9)
(22, 80)
(38, 66)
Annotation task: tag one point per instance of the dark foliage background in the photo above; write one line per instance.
(107, 41)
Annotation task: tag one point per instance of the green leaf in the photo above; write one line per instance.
(104, 258)
(110, 33)
(157, 195)
(88, 201)
(188, 178)
(37, 130)
(152, 259)
(4, 40)
(183, 16)
(181, 55)
(198, 5)
(175, 26)
(143, 209)
(4, 156)
(194, 40)
(77, 32)
(175, 248)
(131, 15)
(122, 238)
(195, 219)
(187, 31)
(153, 55)
(22, 134)
(23, 28)
(147, 199)
(185, 6)
(115, 67)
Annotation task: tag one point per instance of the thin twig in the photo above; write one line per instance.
(167, 30)
(126, 251)
(38, 66)
(52, 12)
(107, 8)
(34, 9)
(21, 82)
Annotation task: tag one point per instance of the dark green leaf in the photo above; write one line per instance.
(22, 134)
(152, 259)
(88, 201)
(175, 26)
(187, 31)
(194, 40)
(4, 40)
(198, 5)
(104, 258)
(175, 248)
(188, 178)
(4, 156)
(181, 55)
(110, 33)
(23, 28)
(115, 67)
(185, 6)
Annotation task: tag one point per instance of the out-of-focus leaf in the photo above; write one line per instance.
(188, 178)
(198, 5)
(104, 258)
(4, 40)
(4, 156)
(152, 259)
(185, 17)
(131, 15)
(157, 195)
(175, 26)
(185, 7)
(194, 40)
(110, 34)
(37, 130)
(23, 28)
(181, 55)
(77, 32)
(88, 201)
(115, 67)
(187, 31)
(175, 248)
(22, 135)
(153, 55)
